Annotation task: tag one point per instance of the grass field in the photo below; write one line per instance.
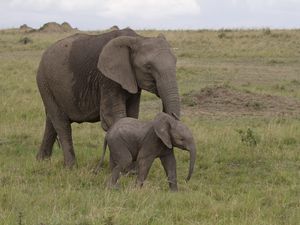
(248, 165)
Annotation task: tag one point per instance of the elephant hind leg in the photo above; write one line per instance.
(116, 173)
(120, 161)
(50, 135)
(57, 123)
(63, 129)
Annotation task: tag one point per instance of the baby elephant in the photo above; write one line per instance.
(131, 140)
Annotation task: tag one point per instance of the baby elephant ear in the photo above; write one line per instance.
(162, 128)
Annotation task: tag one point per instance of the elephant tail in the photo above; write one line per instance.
(99, 166)
(58, 142)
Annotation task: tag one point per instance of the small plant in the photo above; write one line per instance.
(280, 87)
(254, 105)
(221, 35)
(247, 84)
(25, 40)
(267, 31)
(289, 141)
(248, 137)
(108, 220)
(225, 30)
(295, 82)
(20, 217)
(275, 61)
(189, 100)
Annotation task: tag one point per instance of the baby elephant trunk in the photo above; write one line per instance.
(192, 150)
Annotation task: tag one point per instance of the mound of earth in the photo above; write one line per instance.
(55, 27)
(25, 28)
(225, 100)
(114, 27)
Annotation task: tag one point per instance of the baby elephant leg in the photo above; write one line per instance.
(133, 168)
(169, 164)
(115, 175)
(120, 161)
(144, 166)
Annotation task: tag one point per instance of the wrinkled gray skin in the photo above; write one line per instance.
(131, 140)
(88, 78)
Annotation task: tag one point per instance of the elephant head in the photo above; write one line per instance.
(173, 133)
(143, 63)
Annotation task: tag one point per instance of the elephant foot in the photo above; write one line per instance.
(41, 155)
(173, 187)
(129, 173)
(113, 186)
(139, 184)
(70, 163)
(132, 170)
(97, 169)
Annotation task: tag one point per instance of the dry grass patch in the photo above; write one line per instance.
(226, 100)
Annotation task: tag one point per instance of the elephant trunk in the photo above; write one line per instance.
(168, 92)
(192, 161)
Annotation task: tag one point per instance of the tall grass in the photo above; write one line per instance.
(234, 182)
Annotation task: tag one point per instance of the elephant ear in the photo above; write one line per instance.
(114, 62)
(162, 128)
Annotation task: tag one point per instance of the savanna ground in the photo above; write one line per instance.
(240, 93)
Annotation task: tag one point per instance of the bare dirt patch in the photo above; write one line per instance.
(225, 100)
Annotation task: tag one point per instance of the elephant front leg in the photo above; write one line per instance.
(144, 166)
(133, 105)
(169, 164)
(113, 104)
(132, 110)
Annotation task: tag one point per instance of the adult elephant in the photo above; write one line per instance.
(88, 78)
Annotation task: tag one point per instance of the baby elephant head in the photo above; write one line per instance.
(173, 133)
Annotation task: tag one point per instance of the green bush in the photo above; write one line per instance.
(248, 137)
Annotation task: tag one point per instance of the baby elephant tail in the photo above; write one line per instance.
(102, 157)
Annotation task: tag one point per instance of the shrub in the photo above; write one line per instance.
(25, 40)
(248, 137)
(221, 35)
(266, 31)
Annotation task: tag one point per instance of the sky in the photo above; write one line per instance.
(152, 14)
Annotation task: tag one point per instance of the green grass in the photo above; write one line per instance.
(235, 182)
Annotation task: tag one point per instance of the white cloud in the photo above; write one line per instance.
(30, 4)
(134, 13)
(151, 8)
(97, 14)
(272, 4)
(116, 8)
(63, 5)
